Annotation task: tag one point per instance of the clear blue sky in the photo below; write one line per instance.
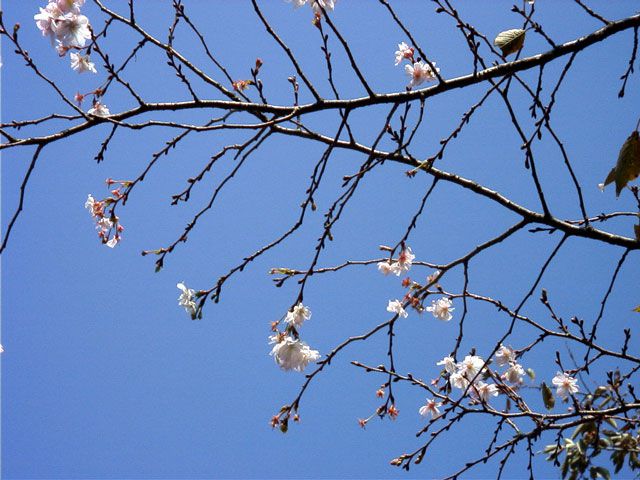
(104, 376)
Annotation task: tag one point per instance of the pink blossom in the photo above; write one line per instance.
(404, 51)
(419, 73)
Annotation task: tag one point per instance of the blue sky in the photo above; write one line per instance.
(104, 376)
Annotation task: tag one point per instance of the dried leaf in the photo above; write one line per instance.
(628, 165)
(510, 41)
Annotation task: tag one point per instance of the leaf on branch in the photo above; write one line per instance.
(628, 166)
(547, 396)
(510, 41)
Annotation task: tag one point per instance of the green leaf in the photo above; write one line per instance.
(531, 374)
(628, 165)
(510, 41)
(547, 396)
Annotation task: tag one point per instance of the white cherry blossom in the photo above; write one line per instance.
(99, 110)
(430, 408)
(292, 354)
(458, 380)
(385, 267)
(505, 355)
(395, 306)
(419, 73)
(441, 309)
(484, 391)
(72, 30)
(186, 299)
(449, 364)
(514, 373)
(82, 63)
(470, 366)
(566, 385)
(404, 51)
(298, 315)
(405, 260)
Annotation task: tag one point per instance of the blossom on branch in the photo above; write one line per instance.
(419, 73)
(186, 299)
(430, 408)
(484, 391)
(395, 306)
(505, 355)
(298, 315)
(292, 354)
(385, 267)
(397, 267)
(514, 374)
(470, 366)
(99, 110)
(449, 364)
(404, 52)
(566, 385)
(441, 309)
(61, 20)
(82, 63)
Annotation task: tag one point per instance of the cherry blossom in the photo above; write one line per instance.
(470, 366)
(404, 51)
(395, 306)
(385, 267)
(186, 299)
(449, 364)
(292, 354)
(108, 226)
(397, 267)
(505, 355)
(514, 373)
(99, 110)
(405, 260)
(484, 391)
(458, 380)
(61, 21)
(430, 408)
(298, 315)
(72, 30)
(44, 20)
(82, 63)
(441, 309)
(566, 385)
(419, 73)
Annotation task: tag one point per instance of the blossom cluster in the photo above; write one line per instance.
(108, 227)
(399, 266)
(471, 374)
(68, 29)
(289, 351)
(418, 70)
